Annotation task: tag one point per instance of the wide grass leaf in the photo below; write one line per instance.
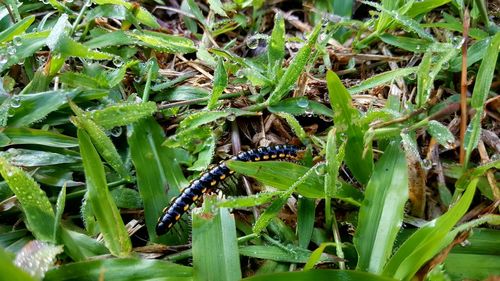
(102, 142)
(122, 114)
(282, 175)
(426, 242)
(318, 275)
(157, 169)
(271, 252)
(215, 245)
(34, 202)
(163, 42)
(107, 214)
(34, 107)
(36, 136)
(124, 269)
(378, 224)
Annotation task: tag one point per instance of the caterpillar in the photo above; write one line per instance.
(209, 180)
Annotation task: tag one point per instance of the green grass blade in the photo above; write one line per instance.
(427, 241)
(292, 254)
(346, 118)
(60, 204)
(441, 133)
(406, 21)
(219, 84)
(16, 29)
(381, 79)
(378, 225)
(301, 105)
(122, 114)
(156, 168)
(317, 274)
(295, 68)
(107, 214)
(295, 125)
(126, 269)
(282, 175)
(34, 202)
(306, 209)
(102, 142)
(34, 107)
(163, 42)
(276, 48)
(80, 247)
(316, 255)
(36, 136)
(140, 13)
(480, 93)
(215, 245)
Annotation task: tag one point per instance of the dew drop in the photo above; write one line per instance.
(426, 164)
(412, 76)
(17, 40)
(303, 103)
(15, 102)
(116, 132)
(240, 73)
(11, 50)
(320, 169)
(231, 117)
(117, 61)
(3, 59)
(495, 157)
(137, 79)
(252, 43)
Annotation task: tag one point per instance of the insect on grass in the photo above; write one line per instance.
(209, 180)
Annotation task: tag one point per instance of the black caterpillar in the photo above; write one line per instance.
(209, 180)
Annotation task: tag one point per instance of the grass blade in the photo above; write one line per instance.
(219, 84)
(479, 95)
(378, 225)
(122, 114)
(34, 202)
(36, 136)
(427, 241)
(107, 215)
(101, 141)
(276, 49)
(381, 79)
(295, 68)
(156, 169)
(346, 118)
(282, 175)
(215, 245)
(317, 274)
(125, 269)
